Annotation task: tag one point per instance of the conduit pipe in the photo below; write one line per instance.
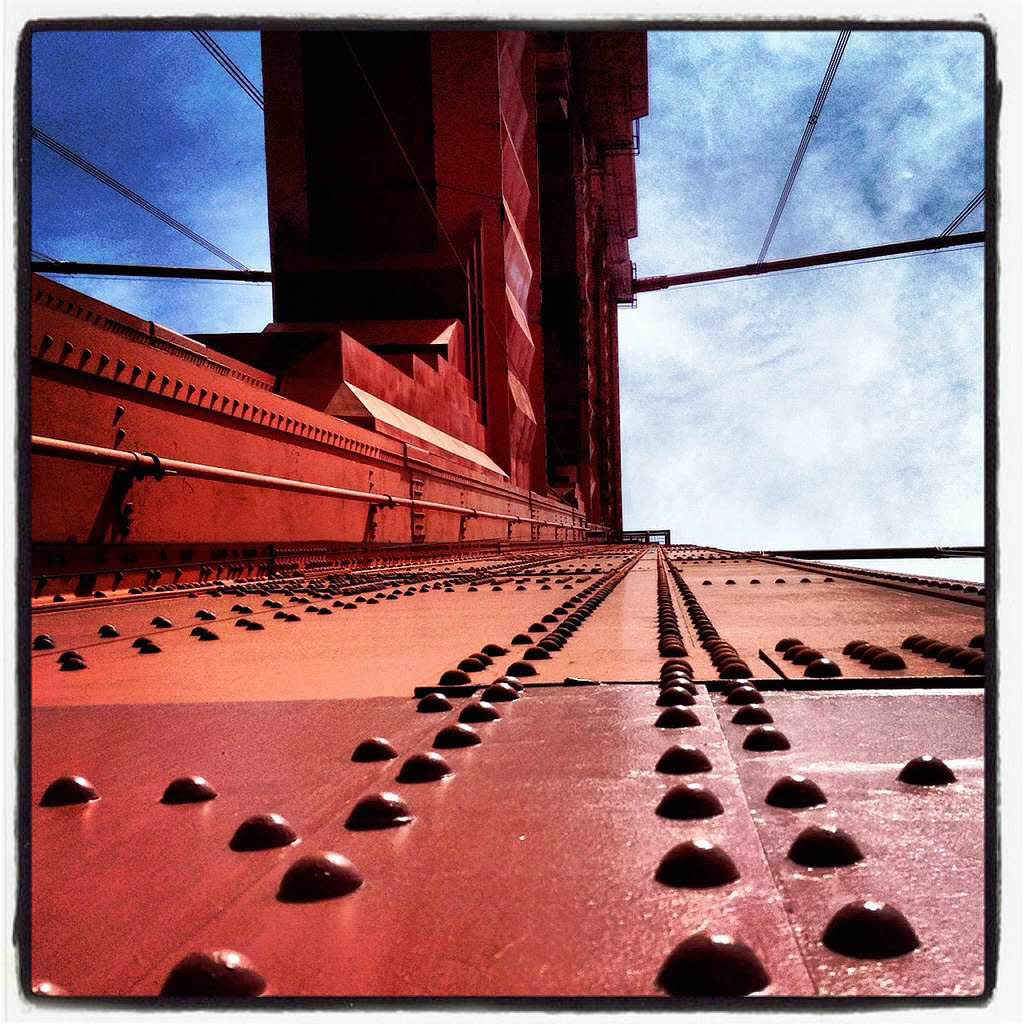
(149, 464)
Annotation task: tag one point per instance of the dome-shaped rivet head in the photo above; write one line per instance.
(823, 668)
(454, 677)
(47, 988)
(793, 650)
(806, 656)
(382, 810)
(241, 622)
(107, 631)
(494, 650)
(377, 748)
(160, 622)
(188, 789)
(205, 615)
(71, 662)
(795, 792)
(536, 654)
(682, 760)
(689, 802)
(521, 639)
(479, 711)
(914, 638)
(677, 718)
(498, 692)
(978, 641)
(753, 714)
(150, 648)
(471, 665)
(429, 767)
(254, 627)
(43, 642)
(433, 702)
(870, 930)
(851, 649)
(730, 583)
(712, 965)
(824, 846)
(765, 737)
(926, 771)
(735, 670)
(321, 876)
(696, 864)
(675, 696)
(69, 789)
(887, 660)
(222, 973)
(263, 832)
(454, 736)
(520, 668)
(207, 634)
(744, 695)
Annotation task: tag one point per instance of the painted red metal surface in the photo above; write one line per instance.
(530, 871)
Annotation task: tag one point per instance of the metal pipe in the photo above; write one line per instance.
(140, 270)
(134, 460)
(824, 259)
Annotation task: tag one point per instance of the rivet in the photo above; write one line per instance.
(454, 677)
(263, 832)
(887, 660)
(520, 668)
(434, 702)
(824, 846)
(498, 693)
(806, 656)
(765, 737)
(853, 646)
(69, 656)
(926, 770)
(977, 641)
(795, 792)
(43, 642)
(479, 711)
(735, 670)
(188, 789)
(909, 642)
(510, 681)
(963, 659)
(242, 609)
(536, 654)
(682, 760)
(320, 876)
(150, 648)
(471, 665)
(429, 767)
(753, 714)
(823, 668)
(712, 965)
(221, 973)
(69, 789)
(377, 748)
(161, 623)
(459, 735)
(677, 718)
(253, 626)
(688, 802)
(730, 583)
(382, 810)
(674, 696)
(521, 639)
(696, 864)
(241, 622)
(870, 930)
(744, 695)
(494, 650)
(205, 615)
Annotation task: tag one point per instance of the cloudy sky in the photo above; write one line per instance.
(839, 406)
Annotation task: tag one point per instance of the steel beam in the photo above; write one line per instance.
(824, 259)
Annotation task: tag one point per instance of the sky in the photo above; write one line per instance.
(832, 407)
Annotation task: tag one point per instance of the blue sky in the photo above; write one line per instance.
(830, 407)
